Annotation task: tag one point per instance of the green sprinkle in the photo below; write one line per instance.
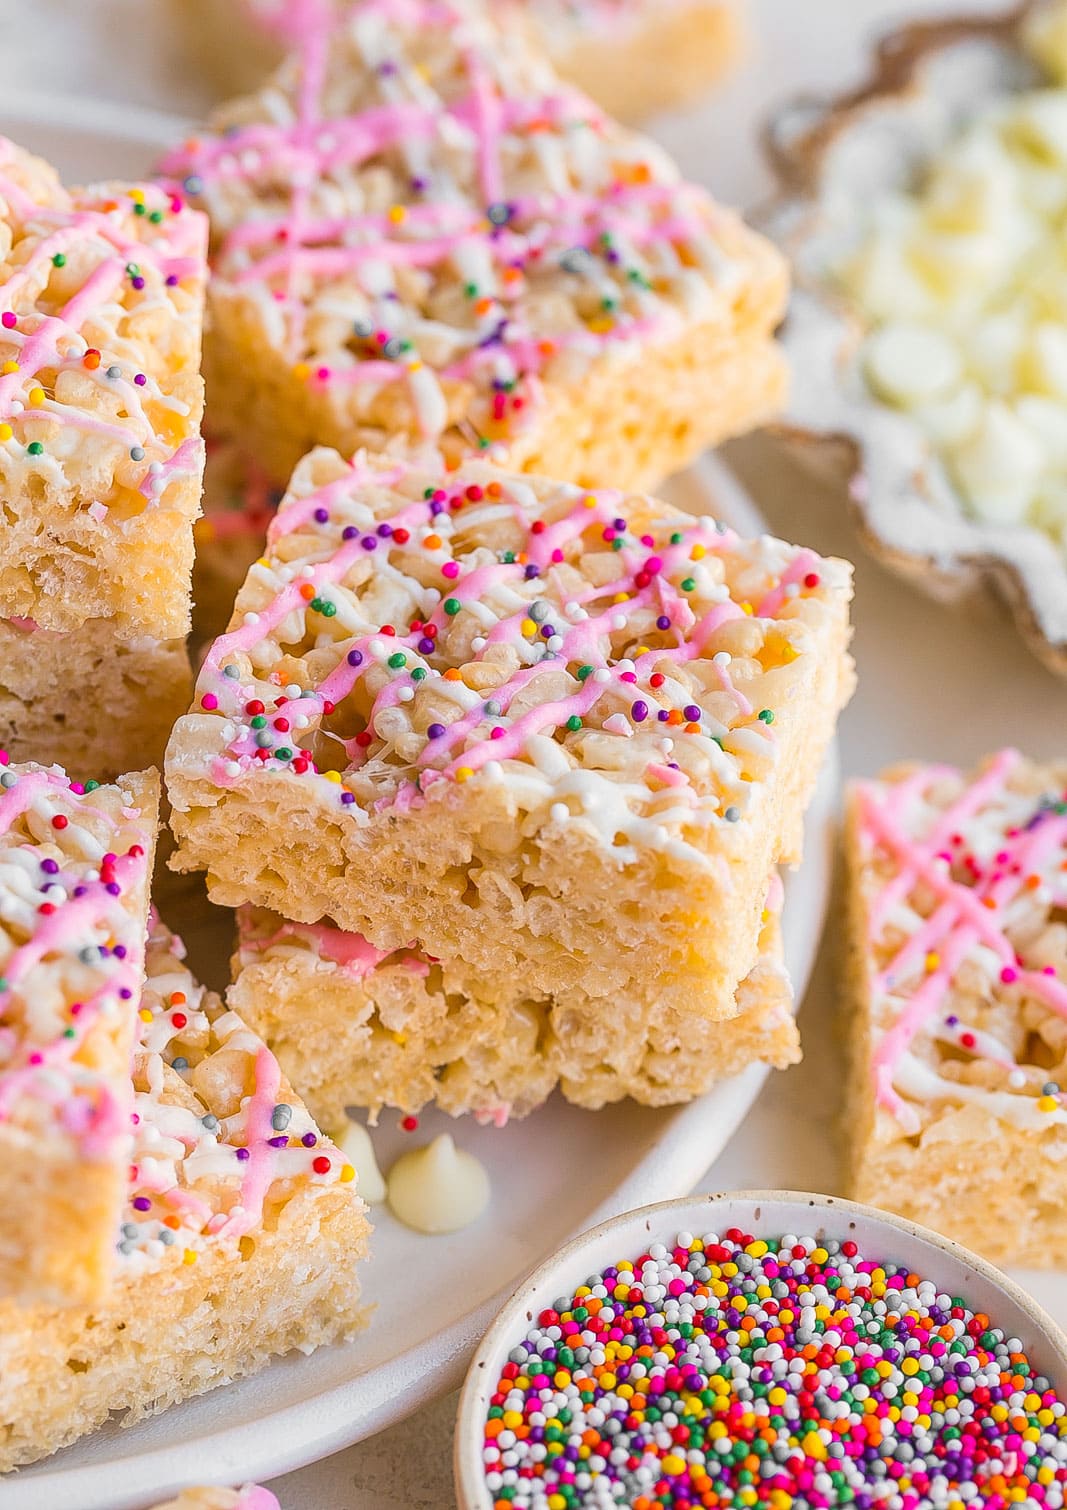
(35, 448)
(283, 752)
(419, 674)
(471, 290)
(766, 715)
(68, 1032)
(618, 543)
(584, 672)
(156, 217)
(91, 786)
(139, 209)
(452, 605)
(328, 610)
(259, 722)
(677, 538)
(398, 660)
(574, 723)
(688, 584)
(59, 260)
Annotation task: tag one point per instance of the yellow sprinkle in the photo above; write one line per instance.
(415, 366)
(933, 960)
(145, 1015)
(621, 597)
(347, 1174)
(698, 552)
(137, 195)
(1047, 1103)
(9, 367)
(464, 773)
(589, 501)
(263, 561)
(790, 653)
(746, 608)
(334, 776)
(36, 397)
(397, 214)
(600, 325)
(672, 1463)
(6, 432)
(301, 371)
(528, 628)
(189, 1256)
(641, 650)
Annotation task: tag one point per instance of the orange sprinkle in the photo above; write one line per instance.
(432, 542)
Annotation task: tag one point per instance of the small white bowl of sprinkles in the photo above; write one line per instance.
(767, 1349)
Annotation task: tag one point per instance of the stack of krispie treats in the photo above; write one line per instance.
(421, 234)
(101, 298)
(533, 750)
(957, 1114)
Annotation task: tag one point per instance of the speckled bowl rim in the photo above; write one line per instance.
(758, 1211)
(949, 557)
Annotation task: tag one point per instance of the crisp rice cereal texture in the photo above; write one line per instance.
(101, 461)
(71, 953)
(232, 1287)
(517, 782)
(465, 251)
(353, 1029)
(957, 1003)
(127, 696)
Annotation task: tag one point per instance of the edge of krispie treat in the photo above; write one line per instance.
(955, 1109)
(588, 797)
(475, 255)
(355, 1027)
(250, 1497)
(232, 1248)
(101, 293)
(75, 868)
(639, 58)
(89, 699)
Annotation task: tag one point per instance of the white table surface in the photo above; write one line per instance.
(933, 682)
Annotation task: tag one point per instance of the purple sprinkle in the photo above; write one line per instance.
(172, 281)
(321, 516)
(140, 379)
(309, 1140)
(385, 530)
(243, 1154)
(119, 950)
(125, 993)
(435, 731)
(278, 1142)
(547, 631)
(347, 798)
(113, 889)
(49, 867)
(137, 282)
(692, 713)
(349, 532)
(79, 891)
(426, 646)
(419, 185)
(619, 524)
(663, 622)
(436, 507)
(531, 572)
(663, 715)
(141, 1203)
(369, 542)
(355, 657)
(639, 711)
(951, 1020)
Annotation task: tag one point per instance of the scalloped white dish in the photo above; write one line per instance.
(834, 158)
(434, 1297)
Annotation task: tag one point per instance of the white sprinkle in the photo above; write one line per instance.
(559, 812)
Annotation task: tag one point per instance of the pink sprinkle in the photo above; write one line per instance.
(10, 319)
(209, 701)
(323, 374)
(450, 569)
(498, 732)
(1008, 975)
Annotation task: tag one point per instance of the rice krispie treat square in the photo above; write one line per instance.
(557, 736)
(355, 1026)
(75, 869)
(419, 230)
(958, 1002)
(240, 1238)
(91, 701)
(101, 301)
(251, 1497)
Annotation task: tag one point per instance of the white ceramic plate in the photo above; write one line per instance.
(434, 1297)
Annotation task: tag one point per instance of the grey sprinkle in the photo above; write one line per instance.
(392, 348)
(126, 1246)
(181, 1063)
(732, 814)
(562, 1305)
(210, 1122)
(493, 709)
(130, 1229)
(264, 738)
(281, 1116)
(89, 955)
(539, 611)
(517, 1355)
(363, 328)
(165, 1237)
(1050, 1088)
(137, 453)
(575, 260)
(8, 778)
(231, 671)
(581, 1355)
(114, 372)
